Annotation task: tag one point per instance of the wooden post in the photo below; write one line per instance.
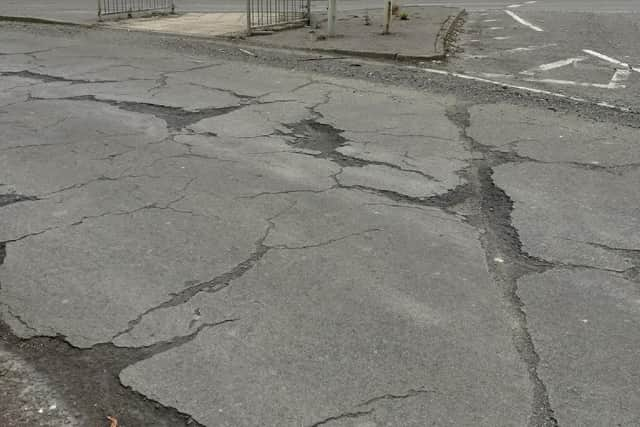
(387, 16)
(248, 17)
(331, 24)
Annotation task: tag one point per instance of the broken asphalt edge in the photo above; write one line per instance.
(33, 20)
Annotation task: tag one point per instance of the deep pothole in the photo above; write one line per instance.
(87, 380)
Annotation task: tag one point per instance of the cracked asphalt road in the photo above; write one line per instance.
(189, 238)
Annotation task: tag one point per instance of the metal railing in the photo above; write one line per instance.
(263, 14)
(129, 7)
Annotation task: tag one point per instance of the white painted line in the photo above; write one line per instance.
(490, 20)
(512, 86)
(582, 84)
(513, 6)
(530, 2)
(496, 28)
(606, 58)
(619, 76)
(496, 76)
(529, 48)
(553, 65)
(502, 37)
(561, 63)
(523, 22)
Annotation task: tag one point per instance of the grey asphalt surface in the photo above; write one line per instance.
(196, 236)
(497, 47)
(84, 11)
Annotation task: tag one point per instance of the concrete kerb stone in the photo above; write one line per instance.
(449, 29)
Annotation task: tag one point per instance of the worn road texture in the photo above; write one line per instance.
(189, 240)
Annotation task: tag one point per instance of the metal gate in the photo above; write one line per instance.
(129, 7)
(262, 14)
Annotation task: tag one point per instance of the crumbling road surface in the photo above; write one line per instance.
(193, 239)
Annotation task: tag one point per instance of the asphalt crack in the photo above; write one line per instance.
(500, 240)
(210, 286)
(176, 118)
(346, 415)
(325, 140)
(390, 396)
(46, 78)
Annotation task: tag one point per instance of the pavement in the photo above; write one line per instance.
(192, 235)
(194, 24)
(422, 36)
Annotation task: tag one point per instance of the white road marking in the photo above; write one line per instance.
(605, 57)
(582, 84)
(619, 76)
(530, 2)
(512, 86)
(553, 65)
(513, 6)
(496, 28)
(490, 20)
(530, 48)
(610, 59)
(523, 22)
(502, 37)
(561, 63)
(496, 76)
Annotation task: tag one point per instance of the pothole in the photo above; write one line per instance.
(87, 380)
(311, 135)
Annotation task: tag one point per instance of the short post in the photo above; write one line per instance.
(331, 24)
(248, 17)
(173, 7)
(387, 16)
(99, 9)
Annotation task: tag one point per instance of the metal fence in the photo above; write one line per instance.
(263, 14)
(129, 7)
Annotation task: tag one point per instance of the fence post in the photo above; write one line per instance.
(331, 24)
(248, 17)
(173, 7)
(99, 8)
(387, 16)
(309, 12)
